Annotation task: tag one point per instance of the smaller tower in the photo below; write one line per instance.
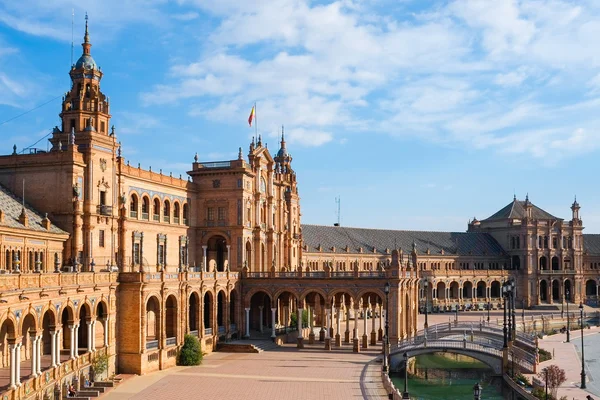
(575, 210)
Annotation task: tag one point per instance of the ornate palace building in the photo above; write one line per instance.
(101, 257)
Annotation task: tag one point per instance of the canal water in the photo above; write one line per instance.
(446, 376)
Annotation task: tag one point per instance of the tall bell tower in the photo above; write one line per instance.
(85, 132)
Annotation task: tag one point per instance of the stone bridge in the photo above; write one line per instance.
(482, 343)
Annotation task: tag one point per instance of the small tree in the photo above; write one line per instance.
(99, 365)
(191, 352)
(553, 376)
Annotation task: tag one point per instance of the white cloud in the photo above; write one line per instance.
(307, 138)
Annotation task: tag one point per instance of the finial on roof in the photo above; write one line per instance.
(72, 136)
(282, 135)
(119, 151)
(414, 245)
(196, 157)
(240, 156)
(86, 38)
(259, 143)
(527, 197)
(515, 196)
(112, 130)
(14, 149)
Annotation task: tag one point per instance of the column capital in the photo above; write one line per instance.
(247, 309)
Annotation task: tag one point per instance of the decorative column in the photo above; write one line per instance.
(76, 349)
(273, 311)
(373, 333)
(247, 335)
(355, 341)
(18, 363)
(260, 309)
(380, 332)
(94, 335)
(204, 264)
(331, 321)
(311, 335)
(347, 333)
(365, 338)
(13, 363)
(72, 342)
(327, 337)
(338, 338)
(57, 346)
(323, 324)
(299, 323)
(34, 358)
(53, 348)
(39, 355)
(89, 336)
(106, 325)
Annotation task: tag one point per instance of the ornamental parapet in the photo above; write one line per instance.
(11, 282)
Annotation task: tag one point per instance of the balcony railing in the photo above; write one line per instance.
(221, 330)
(166, 218)
(176, 220)
(145, 215)
(208, 331)
(104, 210)
(232, 328)
(133, 214)
(171, 341)
(156, 217)
(185, 221)
(151, 344)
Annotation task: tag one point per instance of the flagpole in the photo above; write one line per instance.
(255, 121)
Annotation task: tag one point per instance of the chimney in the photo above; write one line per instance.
(46, 222)
(23, 218)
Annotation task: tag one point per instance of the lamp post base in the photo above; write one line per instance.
(405, 395)
(583, 379)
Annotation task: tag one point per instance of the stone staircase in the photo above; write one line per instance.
(247, 346)
(96, 390)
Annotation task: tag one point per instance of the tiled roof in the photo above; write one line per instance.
(11, 206)
(591, 243)
(461, 243)
(516, 209)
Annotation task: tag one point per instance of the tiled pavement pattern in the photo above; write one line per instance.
(285, 373)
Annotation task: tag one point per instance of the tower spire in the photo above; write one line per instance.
(86, 38)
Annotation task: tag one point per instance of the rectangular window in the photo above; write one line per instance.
(102, 126)
(240, 183)
(554, 242)
(136, 253)
(221, 213)
(102, 198)
(518, 242)
(210, 214)
(161, 254)
(239, 212)
(72, 125)
(101, 238)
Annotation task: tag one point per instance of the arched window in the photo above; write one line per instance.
(145, 207)
(133, 206)
(186, 214)
(176, 212)
(156, 210)
(263, 185)
(167, 211)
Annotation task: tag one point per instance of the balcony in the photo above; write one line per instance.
(104, 210)
(151, 344)
(176, 220)
(171, 341)
(208, 331)
(166, 219)
(185, 221)
(156, 217)
(145, 216)
(133, 214)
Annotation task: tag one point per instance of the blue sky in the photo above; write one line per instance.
(419, 115)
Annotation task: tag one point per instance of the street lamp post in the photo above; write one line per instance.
(523, 312)
(568, 320)
(562, 307)
(489, 307)
(477, 391)
(405, 395)
(425, 285)
(386, 345)
(456, 315)
(504, 327)
(582, 353)
(513, 297)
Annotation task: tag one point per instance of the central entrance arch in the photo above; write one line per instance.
(217, 257)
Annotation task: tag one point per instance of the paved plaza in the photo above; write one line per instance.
(283, 373)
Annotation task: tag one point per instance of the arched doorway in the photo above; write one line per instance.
(221, 308)
(555, 266)
(286, 306)
(568, 291)
(495, 290)
(193, 308)
(152, 323)
(233, 313)
(543, 263)
(555, 291)
(7, 335)
(260, 313)
(101, 326)
(171, 320)
(66, 320)
(27, 331)
(591, 289)
(85, 318)
(543, 291)
(208, 313)
(467, 292)
(48, 324)
(440, 291)
(217, 253)
(481, 290)
(454, 290)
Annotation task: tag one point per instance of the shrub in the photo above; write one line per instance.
(190, 353)
(294, 319)
(522, 379)
(544, 355)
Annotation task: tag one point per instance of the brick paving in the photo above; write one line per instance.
(284, 373)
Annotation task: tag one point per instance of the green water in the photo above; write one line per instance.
(448, 378)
